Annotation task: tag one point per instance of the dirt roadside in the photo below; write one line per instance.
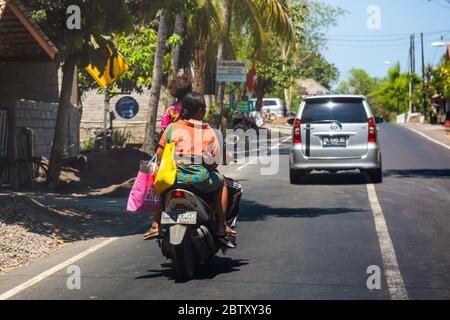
(90, 203)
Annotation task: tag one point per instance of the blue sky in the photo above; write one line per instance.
(353, 44)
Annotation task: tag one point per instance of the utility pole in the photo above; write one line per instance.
(410, 73)
(414, 64)
(424, 81)
(105, 120)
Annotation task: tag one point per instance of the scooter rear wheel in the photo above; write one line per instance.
(184, 261)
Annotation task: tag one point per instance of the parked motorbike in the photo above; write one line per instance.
(188, 225)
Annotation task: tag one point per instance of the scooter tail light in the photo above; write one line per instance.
(179, 195)
(297, 131)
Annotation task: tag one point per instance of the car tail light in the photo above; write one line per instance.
(298, 131)
(179, 195)
(372, 130)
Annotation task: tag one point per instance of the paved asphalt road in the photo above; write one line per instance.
(312, 241)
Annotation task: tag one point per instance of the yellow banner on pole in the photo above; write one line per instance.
(115, 68)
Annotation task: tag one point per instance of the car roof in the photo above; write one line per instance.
(333, 96)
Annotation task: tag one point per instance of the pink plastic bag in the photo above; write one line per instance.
(143, 197)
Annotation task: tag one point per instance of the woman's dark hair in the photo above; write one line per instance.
(192, 103)
(180, 85)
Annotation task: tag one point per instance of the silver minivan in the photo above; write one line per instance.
(334, 133)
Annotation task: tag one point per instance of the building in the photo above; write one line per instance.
(310, 87)
(30, 82)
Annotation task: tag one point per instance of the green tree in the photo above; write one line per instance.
(283, 63)
(392, 95)
(168, 10)
(155, 91)
(359, 82)
(77, 47)
(257, 18)
(440, 81)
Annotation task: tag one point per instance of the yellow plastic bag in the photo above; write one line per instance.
(167, 173)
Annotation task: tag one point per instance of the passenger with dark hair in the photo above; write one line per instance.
(202, 176)
(179, 86)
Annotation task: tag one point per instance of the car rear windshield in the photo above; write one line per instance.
(268, 103)
(343, 110)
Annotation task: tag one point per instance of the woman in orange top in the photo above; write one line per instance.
(197, 154)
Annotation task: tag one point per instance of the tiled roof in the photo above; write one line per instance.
(21, 39)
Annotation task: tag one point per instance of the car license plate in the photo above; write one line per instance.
(189, 217)
(335, 141)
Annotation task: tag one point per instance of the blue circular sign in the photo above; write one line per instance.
(127, 108)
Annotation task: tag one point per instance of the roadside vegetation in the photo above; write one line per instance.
(390, 96)
(284, 38)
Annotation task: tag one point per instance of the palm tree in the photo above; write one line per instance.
(175, 52)
(205, 21)
(260, 16)
(171, 6)
(150, 130)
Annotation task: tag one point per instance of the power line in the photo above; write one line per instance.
(397, 35)
(355, 45)
(403, 39)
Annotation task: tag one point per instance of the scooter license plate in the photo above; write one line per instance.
(189, 217)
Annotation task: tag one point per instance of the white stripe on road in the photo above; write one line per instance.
(395, 283)
(255, 160)
(429, 138)
(11, 293)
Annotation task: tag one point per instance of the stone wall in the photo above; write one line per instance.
(41, 118)
(93, 115)
(37, 81)
(93, 105)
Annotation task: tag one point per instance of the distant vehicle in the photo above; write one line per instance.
(333, 133)
(274, 106)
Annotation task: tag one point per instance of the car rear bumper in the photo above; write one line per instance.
(371, 160)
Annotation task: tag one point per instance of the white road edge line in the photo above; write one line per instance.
(395, 283)
(431, 139)
(11, 293)
(255, 160)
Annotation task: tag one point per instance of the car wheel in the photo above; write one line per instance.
(376, 176)
(296, 176)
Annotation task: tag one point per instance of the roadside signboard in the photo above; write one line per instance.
(231, 71)
(114, 69)
(127, 108)
(244, 106)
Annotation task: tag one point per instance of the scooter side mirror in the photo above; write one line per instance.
(232, 139)
(379, 120)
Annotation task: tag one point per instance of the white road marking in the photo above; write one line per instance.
(255, 159)
(431, 139)
(395, 283)
(9, 294)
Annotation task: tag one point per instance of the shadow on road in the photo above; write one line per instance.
(72, 219)
(252, 211)
(418, 173)
(345, 178)
(218, 265)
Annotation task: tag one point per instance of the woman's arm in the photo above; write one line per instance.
(159, 154)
